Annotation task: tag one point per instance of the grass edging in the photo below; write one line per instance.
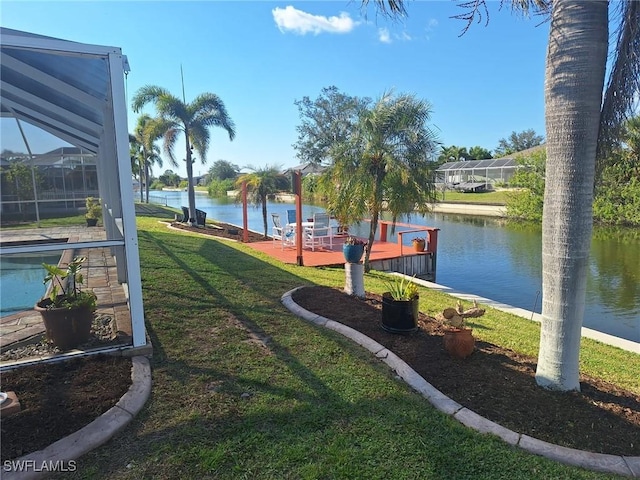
(594, 461)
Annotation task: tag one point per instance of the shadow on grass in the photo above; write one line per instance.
(302, 402)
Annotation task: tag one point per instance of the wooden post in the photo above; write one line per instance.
(432, 237)
(245, 221)
(297, 188)
(383, 231)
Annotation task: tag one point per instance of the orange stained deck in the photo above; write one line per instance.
(325, 256)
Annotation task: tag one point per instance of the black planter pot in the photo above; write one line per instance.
(399, 316)
(66, 328)
(92, 222)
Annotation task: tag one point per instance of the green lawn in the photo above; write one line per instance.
(242, 388)
(498, 197)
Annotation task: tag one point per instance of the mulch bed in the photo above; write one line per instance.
(495, 382)
(58, 399)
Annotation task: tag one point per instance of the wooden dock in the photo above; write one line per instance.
(385, 256)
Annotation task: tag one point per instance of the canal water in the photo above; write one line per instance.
(495, 259)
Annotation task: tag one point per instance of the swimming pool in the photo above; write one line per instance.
(21, 280)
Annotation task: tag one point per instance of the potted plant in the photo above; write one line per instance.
(353, 249)
(419, 243)
(458, 339)
(94, 211)
(67, 311)
(400, 306)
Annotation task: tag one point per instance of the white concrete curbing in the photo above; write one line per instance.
(140, 389)
(628, 466)
(91, 436)
(472, 420)
(355, 336)
(634, 465)
(593, 461)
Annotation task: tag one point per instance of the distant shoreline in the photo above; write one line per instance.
(470, 209)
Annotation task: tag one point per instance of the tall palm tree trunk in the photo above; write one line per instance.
(575, 71)
(141, 175)
(263, 201)
(375, 217)
(146, 180)
(191, 194)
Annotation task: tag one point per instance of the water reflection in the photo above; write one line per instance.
(499, 260)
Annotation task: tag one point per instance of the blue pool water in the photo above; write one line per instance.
(21, 280)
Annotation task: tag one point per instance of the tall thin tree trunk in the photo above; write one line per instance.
(375, 216)
(576, 61)
(263, 201)
(146, 182)
(190, 190)
(142, 182)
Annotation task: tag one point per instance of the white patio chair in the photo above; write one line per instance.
(317, 234)
(291, 216)
(284, 235)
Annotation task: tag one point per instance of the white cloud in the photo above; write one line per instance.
(290, 19)
(383, 35)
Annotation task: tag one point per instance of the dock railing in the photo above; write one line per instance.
(431, 236)
(423, 264)
(431, 239)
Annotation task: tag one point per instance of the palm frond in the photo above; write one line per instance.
(623, 86)
(170, 137)
(145, 95)
(199, 137)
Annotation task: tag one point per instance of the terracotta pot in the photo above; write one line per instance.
(399, 316)
(66, 328)
(419, 245)
(459, 342)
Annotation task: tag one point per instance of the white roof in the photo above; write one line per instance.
(60, 86)
(76, 92)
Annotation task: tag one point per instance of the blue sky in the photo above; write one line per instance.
(260, 57)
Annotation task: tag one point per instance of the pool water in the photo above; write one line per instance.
(21, 278)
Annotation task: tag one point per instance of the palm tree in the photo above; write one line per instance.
(147, 131)
(578, 121)
(137, 160)
(192, 119)
(385, 158)
(261, 183)
(453, 154)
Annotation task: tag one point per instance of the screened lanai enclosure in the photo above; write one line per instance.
(63, 179)
(474, 174)
(65, 138)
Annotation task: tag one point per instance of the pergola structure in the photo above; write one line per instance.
(76, 92)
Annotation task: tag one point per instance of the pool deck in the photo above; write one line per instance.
(100, 275)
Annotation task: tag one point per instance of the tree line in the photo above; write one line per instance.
(616, 187)
(380, 149)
